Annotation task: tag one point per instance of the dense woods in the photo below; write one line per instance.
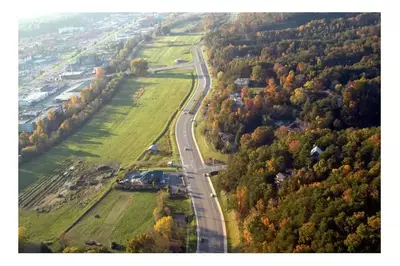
(304, 134)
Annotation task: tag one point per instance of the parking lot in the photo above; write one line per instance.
(174, 179)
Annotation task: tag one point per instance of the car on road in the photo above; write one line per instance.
(185, 112)
(212, 195)
(186, 148)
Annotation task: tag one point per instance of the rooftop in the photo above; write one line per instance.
(316, 149)
(72, 73)
(242, 81)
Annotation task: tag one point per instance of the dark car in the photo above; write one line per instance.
(212, 173)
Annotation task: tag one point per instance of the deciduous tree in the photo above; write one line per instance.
(164, 226)
(139, 66)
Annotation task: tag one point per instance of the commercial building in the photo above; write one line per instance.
(71, 75)
(73, 91)
(33, 97)
(27, 120)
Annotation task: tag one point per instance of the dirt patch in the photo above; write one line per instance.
(74, 180)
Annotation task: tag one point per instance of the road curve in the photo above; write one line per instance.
(210, 223)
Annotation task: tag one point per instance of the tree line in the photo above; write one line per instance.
(76, 112)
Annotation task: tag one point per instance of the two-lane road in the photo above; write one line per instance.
(209, 221)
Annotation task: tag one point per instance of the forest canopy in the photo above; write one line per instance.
(304, 169)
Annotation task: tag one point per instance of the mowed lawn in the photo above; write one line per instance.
(122, 129)
(122, 215)
(164, 50)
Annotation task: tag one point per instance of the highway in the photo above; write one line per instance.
(210, 225)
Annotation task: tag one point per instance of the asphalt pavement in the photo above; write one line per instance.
(209, 221)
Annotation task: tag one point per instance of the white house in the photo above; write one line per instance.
(279, 178)
(316, 151)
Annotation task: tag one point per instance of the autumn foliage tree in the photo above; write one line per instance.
(164, 226)
(99, 72)
(143, 243)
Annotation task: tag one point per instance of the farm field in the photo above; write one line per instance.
(122, 129)
(121, 215)
(164, 50)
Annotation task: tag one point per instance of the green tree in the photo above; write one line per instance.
(258, 74)
(139, 66)
(165, 30)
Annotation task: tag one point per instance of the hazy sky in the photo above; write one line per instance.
(35, 14)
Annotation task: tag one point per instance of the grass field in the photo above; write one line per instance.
(205, 147)
(122, 129)
(164, 50)
(167, 144)
(186, 26)
(207, 151)
(232, 227)
(122, 215)
(48, 226)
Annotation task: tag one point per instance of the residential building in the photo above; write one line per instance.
(153, 148)
(242, 82)
(315, 152)
(280, 178)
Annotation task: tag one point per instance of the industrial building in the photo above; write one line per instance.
(27, 120)
(73, 91)
(34, 97)
(71, 75)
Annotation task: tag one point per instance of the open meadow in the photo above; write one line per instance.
(120, 216)
(164, 50)
(122, 129)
